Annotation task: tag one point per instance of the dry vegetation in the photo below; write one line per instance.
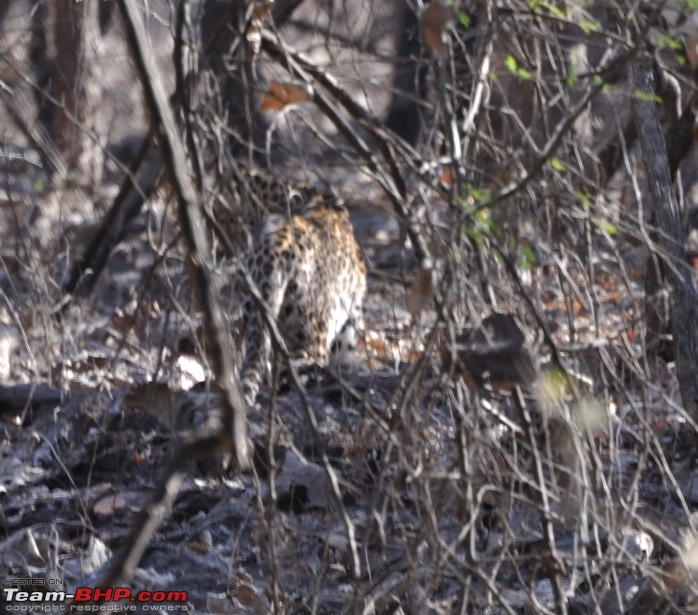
(518, 434)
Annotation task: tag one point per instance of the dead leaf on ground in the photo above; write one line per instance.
(119, 503)
(421, 293)
(155, 398)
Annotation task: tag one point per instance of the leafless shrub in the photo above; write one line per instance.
(517, 435)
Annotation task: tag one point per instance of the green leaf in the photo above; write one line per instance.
(647, 96)
(606, 227)
(551, 8)
(510, 63)
(483, 218)
(465, 20)
(482, 227)
(674, 44)
(669, 42)
(558, 165)
(589, 25)
(527, 258)
(686, 5)
(513, 66)
(572, 73)
(583, 199)
(553, 385)
(476, 193)
(597, 80)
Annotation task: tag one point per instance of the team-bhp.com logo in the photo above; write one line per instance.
(21, 598)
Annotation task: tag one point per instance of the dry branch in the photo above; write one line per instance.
(192, 221)
(394, 184)
(231, 435)
(138, 185)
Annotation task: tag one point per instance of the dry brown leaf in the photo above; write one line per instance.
(241, 588)
(447, 177)
(437, 18)
(280, 95)
(152, 397)
(631, 336)
(118, 503)
(561, 304)
(378, 346)
(421, 292)
(203, 542)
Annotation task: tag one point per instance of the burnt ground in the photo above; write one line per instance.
(92, 402)
(466, 463)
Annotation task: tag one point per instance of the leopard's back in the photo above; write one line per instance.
(309, 270)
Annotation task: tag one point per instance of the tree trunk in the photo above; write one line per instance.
(76, 128)
(684, 299)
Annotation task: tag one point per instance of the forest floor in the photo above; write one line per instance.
(431, 486)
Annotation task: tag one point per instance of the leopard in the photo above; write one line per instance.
(308, 270)
(252, 194)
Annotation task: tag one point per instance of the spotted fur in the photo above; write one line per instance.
(254, 194)
(309, 271)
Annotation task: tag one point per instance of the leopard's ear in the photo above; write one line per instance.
(332, 201)
(302, 195)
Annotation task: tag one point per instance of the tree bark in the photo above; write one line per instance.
(76, 129)
(684, 299)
